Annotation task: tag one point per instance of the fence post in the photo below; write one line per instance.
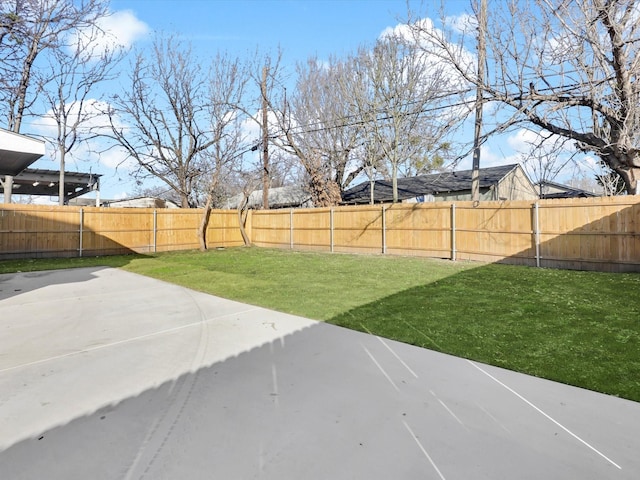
(453, 232)
(536, 231)
(331, 228)
(291, 229)
(384, 230)
(81, 231)
(155, 231)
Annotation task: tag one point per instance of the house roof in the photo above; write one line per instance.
(140, 202)
(565, 191)
(17, 152)
(432, 184)
(279, 197)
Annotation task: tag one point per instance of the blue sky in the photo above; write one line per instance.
(301, 28)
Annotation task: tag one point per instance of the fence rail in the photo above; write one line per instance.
(588, 234)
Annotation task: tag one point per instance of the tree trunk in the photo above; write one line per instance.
(242, 219)
(394, 182)
(630, 175)
(626, 163)
(324, 193)
(204, 223)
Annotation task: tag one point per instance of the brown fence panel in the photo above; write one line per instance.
(113, 231)
(271, 228)
(495, 231)
(419, 229)
(358, 230)
(33, 231)
(224, 229)
(311, 229)
(591, 234)
(595, 233)
(177, 229)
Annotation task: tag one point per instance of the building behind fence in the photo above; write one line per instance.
(588, 234)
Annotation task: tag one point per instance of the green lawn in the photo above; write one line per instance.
(581, 328)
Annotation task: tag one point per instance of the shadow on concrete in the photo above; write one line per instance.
(326, 402)
(13, 284)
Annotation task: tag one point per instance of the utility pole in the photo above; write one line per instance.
(482, 55)
(265, 141)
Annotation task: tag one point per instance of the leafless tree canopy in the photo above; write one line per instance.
(74, 72)
(319, 130)
(566, 67)
(28, 28)
(161, 117)
(183, 123)
(396, 91)
(371, 112)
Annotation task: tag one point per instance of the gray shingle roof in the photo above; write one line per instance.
(565, 191)
(432, 184)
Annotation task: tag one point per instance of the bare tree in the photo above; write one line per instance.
(27, 29)
(266, 73)
(568, 68)
(545, 158)
(609, 180)
(228, 80)
(183, 125)
(162, 118)
(320, 131)
(396, 93)
(74, 73)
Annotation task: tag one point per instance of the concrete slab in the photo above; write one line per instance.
(107, 374)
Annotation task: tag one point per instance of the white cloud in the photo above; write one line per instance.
(522, 140)
(437, 51)
(92, 117)
(118, 30)
(125, 27)
(120, 196)
(117, 158)
(463, 24)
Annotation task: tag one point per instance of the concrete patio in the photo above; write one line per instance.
(105, 374)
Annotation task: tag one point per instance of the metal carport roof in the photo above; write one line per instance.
(45, 183)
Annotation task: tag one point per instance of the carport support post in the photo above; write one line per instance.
(453, 232)
(81, 231)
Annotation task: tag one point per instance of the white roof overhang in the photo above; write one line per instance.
(17, 152)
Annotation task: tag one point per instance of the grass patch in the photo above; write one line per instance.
(580, 328)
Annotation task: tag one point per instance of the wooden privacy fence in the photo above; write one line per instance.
(586, 234)
(28, 231)
(589, 234)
